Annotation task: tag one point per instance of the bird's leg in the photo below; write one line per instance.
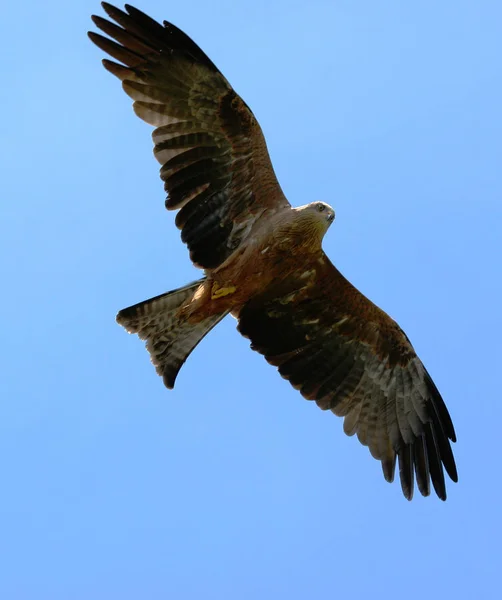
(218, 291)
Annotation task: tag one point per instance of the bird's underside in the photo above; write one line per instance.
(264, 263)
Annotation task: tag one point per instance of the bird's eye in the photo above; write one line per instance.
(321, 207)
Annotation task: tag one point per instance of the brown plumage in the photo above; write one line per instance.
(264, 262)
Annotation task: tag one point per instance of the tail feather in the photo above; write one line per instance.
(170, 338)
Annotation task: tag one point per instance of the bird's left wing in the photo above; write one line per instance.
(339, 349)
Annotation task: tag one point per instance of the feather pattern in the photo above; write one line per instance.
(342, 351)
(170, 337)
(327, 339)
(215, 163)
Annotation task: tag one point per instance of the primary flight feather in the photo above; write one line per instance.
(264, 263)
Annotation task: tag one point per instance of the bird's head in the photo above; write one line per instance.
(318, 214)
(312, 221)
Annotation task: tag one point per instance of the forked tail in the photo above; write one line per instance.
(170, 338)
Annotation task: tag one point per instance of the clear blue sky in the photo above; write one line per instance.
(233, 486)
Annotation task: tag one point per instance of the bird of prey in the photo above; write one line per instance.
(263, 261)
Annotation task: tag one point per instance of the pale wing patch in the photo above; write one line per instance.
(153, 114)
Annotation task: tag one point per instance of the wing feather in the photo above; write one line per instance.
(214, 160)
(342, 351)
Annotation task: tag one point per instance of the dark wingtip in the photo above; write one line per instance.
(451, 467)
(126, 313)
(169, 376)
(389, 468)
(135, 12)
(406, 473)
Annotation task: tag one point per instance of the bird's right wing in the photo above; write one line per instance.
(215, 162)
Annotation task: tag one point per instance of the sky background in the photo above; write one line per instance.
(233, 486)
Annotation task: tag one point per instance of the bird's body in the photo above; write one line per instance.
(263, 261)
(266, 261)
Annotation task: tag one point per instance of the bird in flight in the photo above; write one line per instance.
(263, 261)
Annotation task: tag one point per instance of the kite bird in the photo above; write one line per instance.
(263, 261)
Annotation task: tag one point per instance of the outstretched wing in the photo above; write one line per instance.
(215, 162)
(339, 349)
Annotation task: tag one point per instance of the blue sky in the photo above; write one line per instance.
(232, 486)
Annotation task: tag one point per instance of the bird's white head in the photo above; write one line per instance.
(320, 213)
(324, 211)
(313, 220)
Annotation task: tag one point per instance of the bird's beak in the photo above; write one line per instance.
(331, 218)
